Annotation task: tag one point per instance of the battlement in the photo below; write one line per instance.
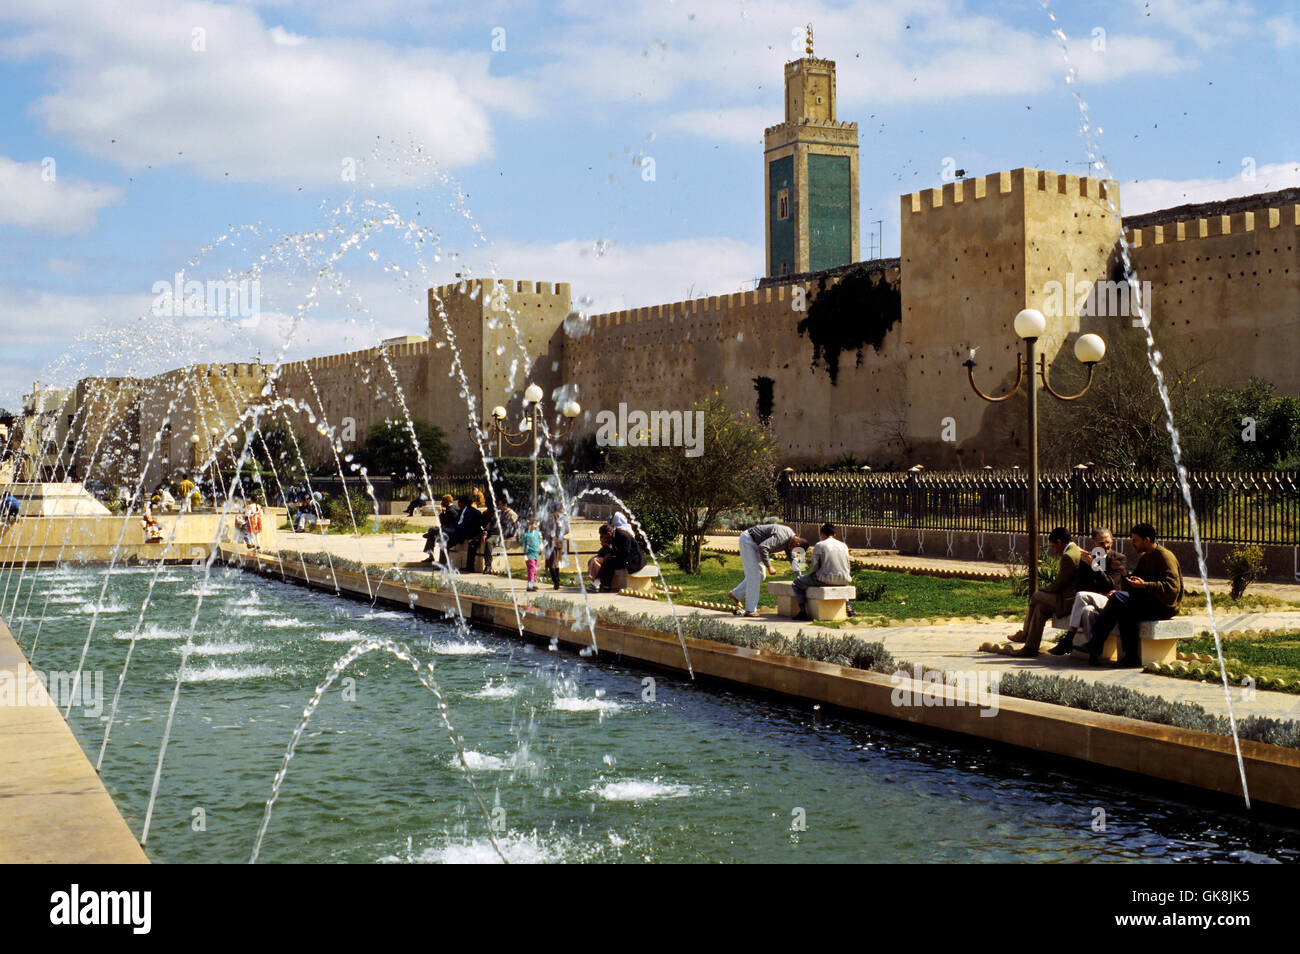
(1014, 182)
(793, 66)
(816, 123)
(350, 359)
(474, 287)
(1215, 226)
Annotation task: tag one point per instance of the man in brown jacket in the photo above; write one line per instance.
(1154, 591)
(1056, 598)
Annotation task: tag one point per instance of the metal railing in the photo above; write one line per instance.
(1262, 508)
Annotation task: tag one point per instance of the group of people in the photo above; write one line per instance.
(248, 525)
(305, 505)
(1098, 594)
(827, 564)
(472, 521)
(619, 550)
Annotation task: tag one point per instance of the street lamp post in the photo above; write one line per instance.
(530, 426)
(1089, 349)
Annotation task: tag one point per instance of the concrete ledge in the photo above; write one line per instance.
(1182, 756)
(53, 807)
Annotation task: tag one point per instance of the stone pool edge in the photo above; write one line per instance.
(1186, 757)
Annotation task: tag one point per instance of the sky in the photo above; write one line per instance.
(614, 146)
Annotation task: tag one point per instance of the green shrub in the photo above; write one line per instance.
(335, 509)
(870, 594)
(1120, 701)
(659, 523)
(1244, 565)
(1049, 565)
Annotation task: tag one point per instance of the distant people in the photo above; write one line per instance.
(532, 543)
(10, 508)
(508, 518)
(448, 517)
(309, 510)
(555, 535)
(1153, 592)
(253, 518)
(186, 489)
(603, 553)
(468, 530)
(1057, 597)
(153, 532)
(828, 565)
(1097, 580)
(416, 503)
(757, 544)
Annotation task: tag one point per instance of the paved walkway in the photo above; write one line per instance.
(949, 645)
(53, 807)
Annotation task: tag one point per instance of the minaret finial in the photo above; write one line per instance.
(809, 48)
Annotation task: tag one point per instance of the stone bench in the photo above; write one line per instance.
(823, 602)
(498, 561)
(642, 581)
(1159, 638)
(321, 526)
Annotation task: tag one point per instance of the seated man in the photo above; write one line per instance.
(1154, 591)
(1097, 580)
(469, 530)
(1055, 598)
(828, 565)
(624, 554)
(448, 517)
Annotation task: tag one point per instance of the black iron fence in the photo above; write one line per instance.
(1261, 508)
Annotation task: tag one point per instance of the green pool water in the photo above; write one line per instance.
(575, 758)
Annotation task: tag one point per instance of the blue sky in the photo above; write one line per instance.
(170, 122)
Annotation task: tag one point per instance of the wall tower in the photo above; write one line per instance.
(810, 179)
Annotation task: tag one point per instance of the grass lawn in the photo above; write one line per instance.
(906, 596)
(1265, 654)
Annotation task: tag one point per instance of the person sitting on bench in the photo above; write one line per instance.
(828, 565)
(1055, 598)
(1153, 592)
(469, 530)
(1097, 580)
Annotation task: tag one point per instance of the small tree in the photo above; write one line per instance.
(389, 450)
(1245, 565)
(736, 469)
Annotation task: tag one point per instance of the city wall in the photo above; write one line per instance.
(1228, 285)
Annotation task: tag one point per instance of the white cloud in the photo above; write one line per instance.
(741, 124)
(251, 103)
(898, 51)
(1285, 31)
(1207, 23)
(36, 196)
(1150, 195)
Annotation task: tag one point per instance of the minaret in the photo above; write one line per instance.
(811, 175)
